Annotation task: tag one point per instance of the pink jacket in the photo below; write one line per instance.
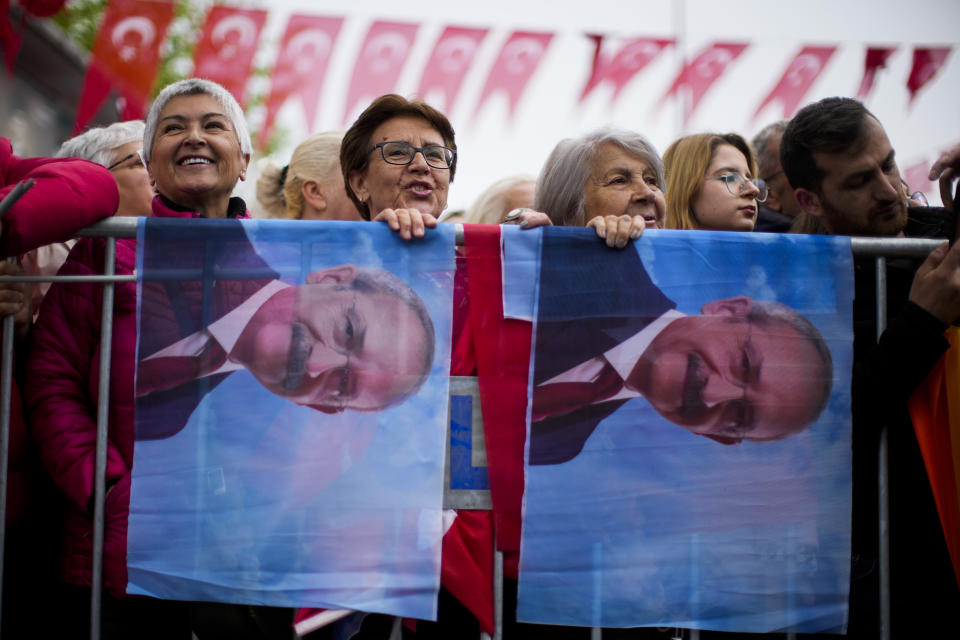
(69, 195)
(61, 398)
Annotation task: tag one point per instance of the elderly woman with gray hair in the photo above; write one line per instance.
(611, 180)
(196, 147)
(116, 147)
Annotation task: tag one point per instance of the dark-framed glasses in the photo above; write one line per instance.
(737, 183)
(400, 152)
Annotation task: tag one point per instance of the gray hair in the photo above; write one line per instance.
(559, 191)
(192, 87)
(97, 145)
(373, 281)
(761, 146)
(489, 207)
(765, 312)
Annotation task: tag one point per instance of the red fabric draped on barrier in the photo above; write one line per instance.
(503, 361)
(935, 410)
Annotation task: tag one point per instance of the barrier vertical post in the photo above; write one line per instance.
(6, 380)
(103, 414)
(882, 480)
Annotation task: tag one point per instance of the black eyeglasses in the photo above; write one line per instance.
(400, 152)
(119, 162)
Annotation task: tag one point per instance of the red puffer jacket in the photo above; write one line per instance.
(62, 393)
(69, 195)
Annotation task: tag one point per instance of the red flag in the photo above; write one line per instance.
(926, 64)
(619, 69)
(518, 59)
(916, 177)
(875, 59)
(125, 55)
(226, 46)
(699, 75)
(382, 56)
(502, 348)
(797, 79)
(301, 66)
(448, 64)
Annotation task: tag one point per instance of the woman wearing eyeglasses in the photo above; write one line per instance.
(711, 183)
(398, 160)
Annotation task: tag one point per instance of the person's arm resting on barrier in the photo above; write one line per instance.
(68, 195)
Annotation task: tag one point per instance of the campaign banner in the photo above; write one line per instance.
(688, 449)
(292, 389)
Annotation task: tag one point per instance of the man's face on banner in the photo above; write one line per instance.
(329, 346)
(732, 378)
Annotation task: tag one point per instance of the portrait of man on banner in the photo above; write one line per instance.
(702, 385)
(291, 389)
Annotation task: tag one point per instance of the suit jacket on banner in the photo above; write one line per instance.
(584, 311)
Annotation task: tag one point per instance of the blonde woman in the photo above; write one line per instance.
(712, 184)
(311, 186)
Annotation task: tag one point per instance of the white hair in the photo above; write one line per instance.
(559, 191)
(192, 87)
(97, 145)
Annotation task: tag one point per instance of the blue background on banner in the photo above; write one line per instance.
(258, 500)
(652, 525)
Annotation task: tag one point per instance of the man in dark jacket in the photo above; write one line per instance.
(842, 167)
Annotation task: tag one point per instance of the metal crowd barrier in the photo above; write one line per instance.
(113, 228)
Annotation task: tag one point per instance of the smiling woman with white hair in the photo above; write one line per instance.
(610, 180)
(196, 147)
(116, 147)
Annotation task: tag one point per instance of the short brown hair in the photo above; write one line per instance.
(686, 162)
(355, 149)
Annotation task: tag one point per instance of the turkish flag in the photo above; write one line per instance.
(125, 55)
(620, 68)
(915, 175)
(226, 46)
(926, 64)
(797, 78)
(301, 66)
(519, 58)
(874, 60)
(448, 64)
(698, 76)
(382, 56)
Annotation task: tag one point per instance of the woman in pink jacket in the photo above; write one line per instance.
(68, 194)
(196, 147)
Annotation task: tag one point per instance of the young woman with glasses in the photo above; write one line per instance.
(711, 183)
